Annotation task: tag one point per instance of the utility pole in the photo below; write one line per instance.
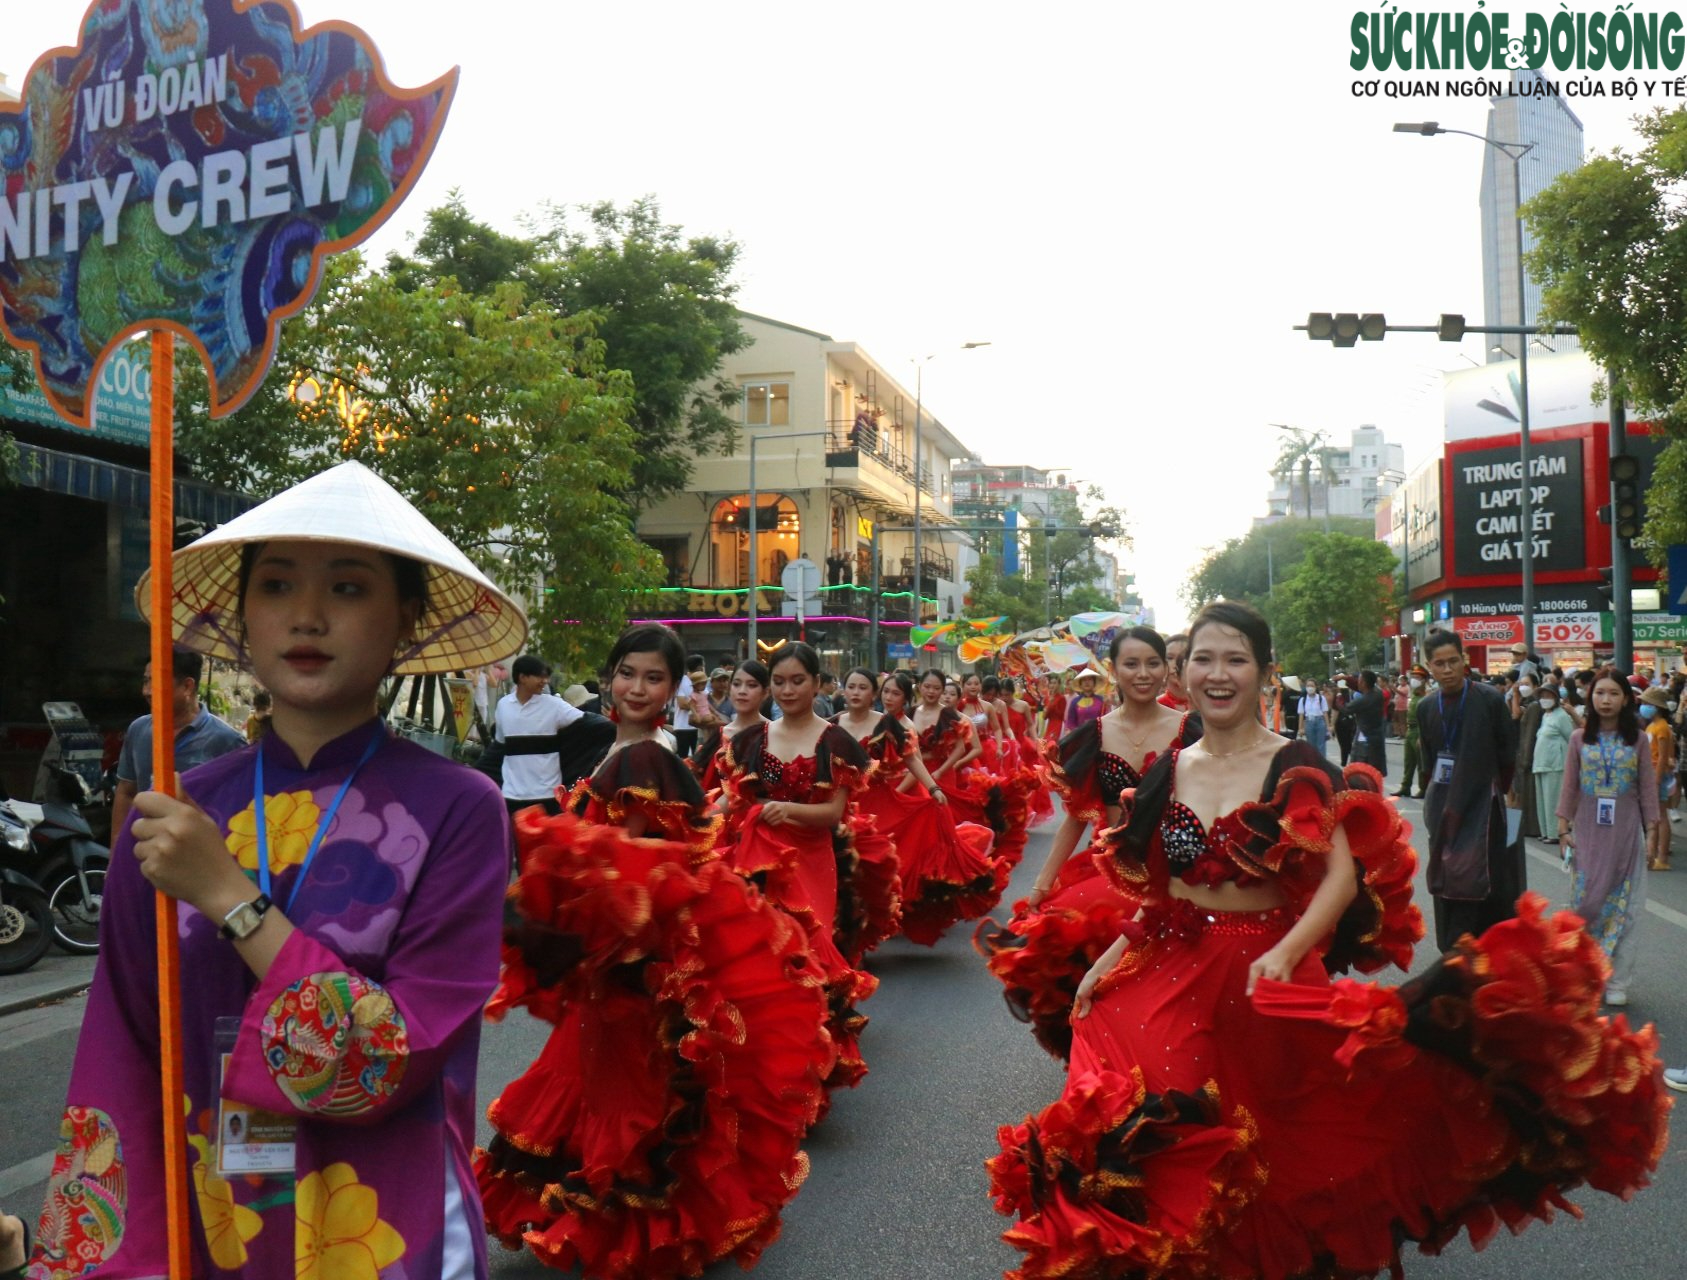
(1622, 570)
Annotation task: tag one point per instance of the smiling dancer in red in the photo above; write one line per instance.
(1230, 1112)
(658, 1130)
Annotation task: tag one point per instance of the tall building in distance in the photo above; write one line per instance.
(1549, 123)
(1343, 480)
(7, 93)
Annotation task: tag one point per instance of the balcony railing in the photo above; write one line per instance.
(849, 440)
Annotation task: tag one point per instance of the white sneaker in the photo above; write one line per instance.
(1676, 1078)
(1616, 997)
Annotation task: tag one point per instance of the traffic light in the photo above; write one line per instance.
(1625, 496)
(1606, 588)
(1346, 328)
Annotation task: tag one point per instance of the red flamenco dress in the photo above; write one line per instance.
(659, 1129)
(973, 794)
(1043, 953)
(870, 878)
(798, 867)
(1000, 759)
(948, 873)
(1030, 761)
(1313, 1130)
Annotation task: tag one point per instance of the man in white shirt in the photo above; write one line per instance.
(527, 723)
(686, 696)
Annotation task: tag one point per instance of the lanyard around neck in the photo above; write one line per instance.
(1450, 728)
(375, 740)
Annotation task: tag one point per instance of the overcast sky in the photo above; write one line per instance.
(1132, 203)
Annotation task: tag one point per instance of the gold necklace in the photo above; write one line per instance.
(1225, 755)
(1136, 743)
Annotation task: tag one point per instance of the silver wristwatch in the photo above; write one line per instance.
(243, 921)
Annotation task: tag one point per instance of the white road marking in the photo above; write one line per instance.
(27, 1174)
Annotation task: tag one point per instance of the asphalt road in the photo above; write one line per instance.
(898, 1188)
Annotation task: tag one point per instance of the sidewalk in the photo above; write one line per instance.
(55, 977)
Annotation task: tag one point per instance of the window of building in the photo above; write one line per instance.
(778, 539)
(767, 404)
(675, 552)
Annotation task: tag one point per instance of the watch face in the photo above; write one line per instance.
(243, 920)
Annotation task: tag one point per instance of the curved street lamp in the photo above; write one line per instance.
(1516, 151)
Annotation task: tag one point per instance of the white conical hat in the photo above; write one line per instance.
(468, 623)
(1087, 672)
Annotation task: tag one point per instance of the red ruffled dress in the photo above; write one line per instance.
(1030, 764)
(659, 1129)
(1043, 953)
(802, 869)
(974, 796)
(948, 873)
(1313, 1130)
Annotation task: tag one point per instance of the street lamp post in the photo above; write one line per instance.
(1515, 151)
(919, 405)
(750, 595)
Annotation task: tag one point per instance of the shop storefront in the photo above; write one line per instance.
(1457, 523)
(73, 543)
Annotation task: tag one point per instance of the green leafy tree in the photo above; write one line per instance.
(662, 303)
(1611, 255)
(454, 246)
(1243, 568)
(495, 416)
(1019, 596)
(1058, 569)
(1068, 560)
(1341, 581)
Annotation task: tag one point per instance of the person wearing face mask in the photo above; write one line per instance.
(1528, 717)
(1416, 766)
(1654, 714)
(1546, 762)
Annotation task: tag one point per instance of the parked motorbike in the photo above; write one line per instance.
(26, 922)
(60, 855)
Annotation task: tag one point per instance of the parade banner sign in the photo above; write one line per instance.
(187, 167)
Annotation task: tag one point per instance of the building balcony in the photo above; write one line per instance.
(863, 445)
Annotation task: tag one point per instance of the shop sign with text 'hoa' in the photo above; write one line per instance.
(188, 166)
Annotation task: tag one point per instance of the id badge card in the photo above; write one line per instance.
(1605, 811)
(249, 1139)
(1443, 770)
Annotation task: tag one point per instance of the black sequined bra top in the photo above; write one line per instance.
(1114, 773)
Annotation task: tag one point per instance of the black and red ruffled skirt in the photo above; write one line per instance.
(1313, 1129)
(1031, 764)
(659, 1129)
(870, 886)
(797, 868)
(948, 873)
(1043, 952)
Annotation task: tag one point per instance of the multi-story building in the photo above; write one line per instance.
(834, 459)
(984, 491)
(7, 93)
(1345, 480)
(1548, 123)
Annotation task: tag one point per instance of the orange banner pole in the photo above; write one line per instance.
(164, 779)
